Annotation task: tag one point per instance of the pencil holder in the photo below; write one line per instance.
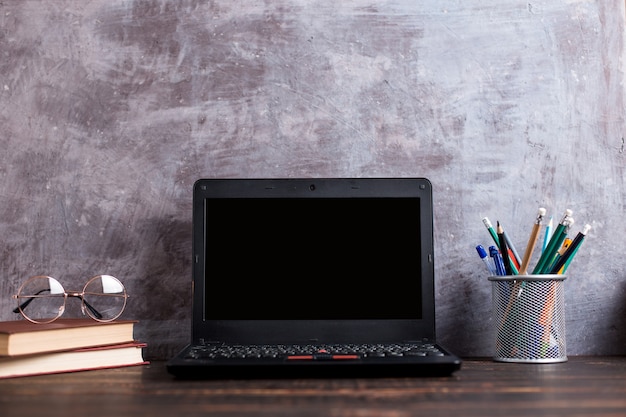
(528, 313)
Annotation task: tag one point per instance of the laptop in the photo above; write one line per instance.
(309, 277)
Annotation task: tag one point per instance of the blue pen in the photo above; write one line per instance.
(497, 259)
(491, 267)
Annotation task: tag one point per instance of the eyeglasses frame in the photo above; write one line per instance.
(86, 308)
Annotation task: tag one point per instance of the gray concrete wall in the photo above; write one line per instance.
(110, 109)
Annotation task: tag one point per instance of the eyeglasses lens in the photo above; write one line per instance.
(104, 298)
(41, 299)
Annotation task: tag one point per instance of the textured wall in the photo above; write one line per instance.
(110, 109)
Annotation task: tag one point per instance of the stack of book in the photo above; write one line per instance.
(67, 345)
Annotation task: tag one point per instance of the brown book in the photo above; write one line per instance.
(21, 337)
(84, 359)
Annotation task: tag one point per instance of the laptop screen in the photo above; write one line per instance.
(313, 259)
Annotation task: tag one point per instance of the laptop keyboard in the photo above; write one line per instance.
(314, 351)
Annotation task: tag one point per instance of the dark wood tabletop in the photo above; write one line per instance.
(582, 386)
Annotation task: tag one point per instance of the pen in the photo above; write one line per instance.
(532, 241)
(555, 242)
(486, 260)
(497, 260)
(565, 260)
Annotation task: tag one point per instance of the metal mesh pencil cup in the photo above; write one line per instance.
(528, 315)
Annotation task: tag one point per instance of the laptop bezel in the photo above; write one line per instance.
(312, 331)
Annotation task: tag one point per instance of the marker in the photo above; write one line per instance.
(486, 260)
(532, 241)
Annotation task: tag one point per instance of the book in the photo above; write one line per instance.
(21, 337)
(83, 359)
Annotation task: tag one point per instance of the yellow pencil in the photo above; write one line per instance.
(532, 241)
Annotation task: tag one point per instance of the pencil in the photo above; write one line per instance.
(563, 262)
(560, 252)
(496, 239)
(532, 241)
(545, 318)
(504, 250)
(548, 234)
(491, 231)
(555, 242)
(513, 254)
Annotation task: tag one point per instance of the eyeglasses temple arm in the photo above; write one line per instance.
(91, 308)
(27, 302)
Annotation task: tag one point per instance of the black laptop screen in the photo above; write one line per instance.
(312, 258)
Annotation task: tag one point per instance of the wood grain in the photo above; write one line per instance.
(583, 386)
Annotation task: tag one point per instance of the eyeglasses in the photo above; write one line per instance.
(41, 299)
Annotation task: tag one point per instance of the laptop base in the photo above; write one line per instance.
(322, 365)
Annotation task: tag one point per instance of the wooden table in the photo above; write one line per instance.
(582, 386)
